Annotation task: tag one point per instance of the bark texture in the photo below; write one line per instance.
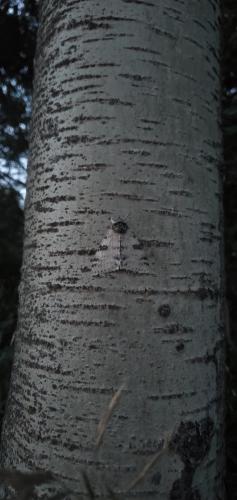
(125, 127)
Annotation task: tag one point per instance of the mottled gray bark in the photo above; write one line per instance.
(125, 125)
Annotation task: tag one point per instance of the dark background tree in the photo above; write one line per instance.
(18, 27)
(11, 231)
(229, 102)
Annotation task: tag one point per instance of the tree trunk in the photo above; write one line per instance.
(121, 284)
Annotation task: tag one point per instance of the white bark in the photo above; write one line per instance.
(125, 124)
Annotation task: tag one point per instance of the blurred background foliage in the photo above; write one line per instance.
(18, 28)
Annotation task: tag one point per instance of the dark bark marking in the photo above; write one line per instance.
(142, 49)
(192, 443)
(167, 397)
(82, 118)
(156, 165)
(139, 2)
(173, 329)
(162, 33)
(136, 78)
(112, 307)
(140, 152)
(181, 193)
(210, 358)
(65, 223)
(164, 310)
(207, 292)
(77, 139)
(157, 243)
(180, 346)
(58, 199)
(72, 322)
(168, 212)
(88, 23)
(110, 101)
(137, 181)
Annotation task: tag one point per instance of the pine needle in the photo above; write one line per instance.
(149, 464)
(106, 417)
(88, 485)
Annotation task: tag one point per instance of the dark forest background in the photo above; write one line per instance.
(18, 28)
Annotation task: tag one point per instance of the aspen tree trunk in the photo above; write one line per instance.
(125, 128)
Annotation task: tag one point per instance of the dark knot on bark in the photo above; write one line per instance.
(164, 310)
(119, 226)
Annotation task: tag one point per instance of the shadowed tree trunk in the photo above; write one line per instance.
(121, 282)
